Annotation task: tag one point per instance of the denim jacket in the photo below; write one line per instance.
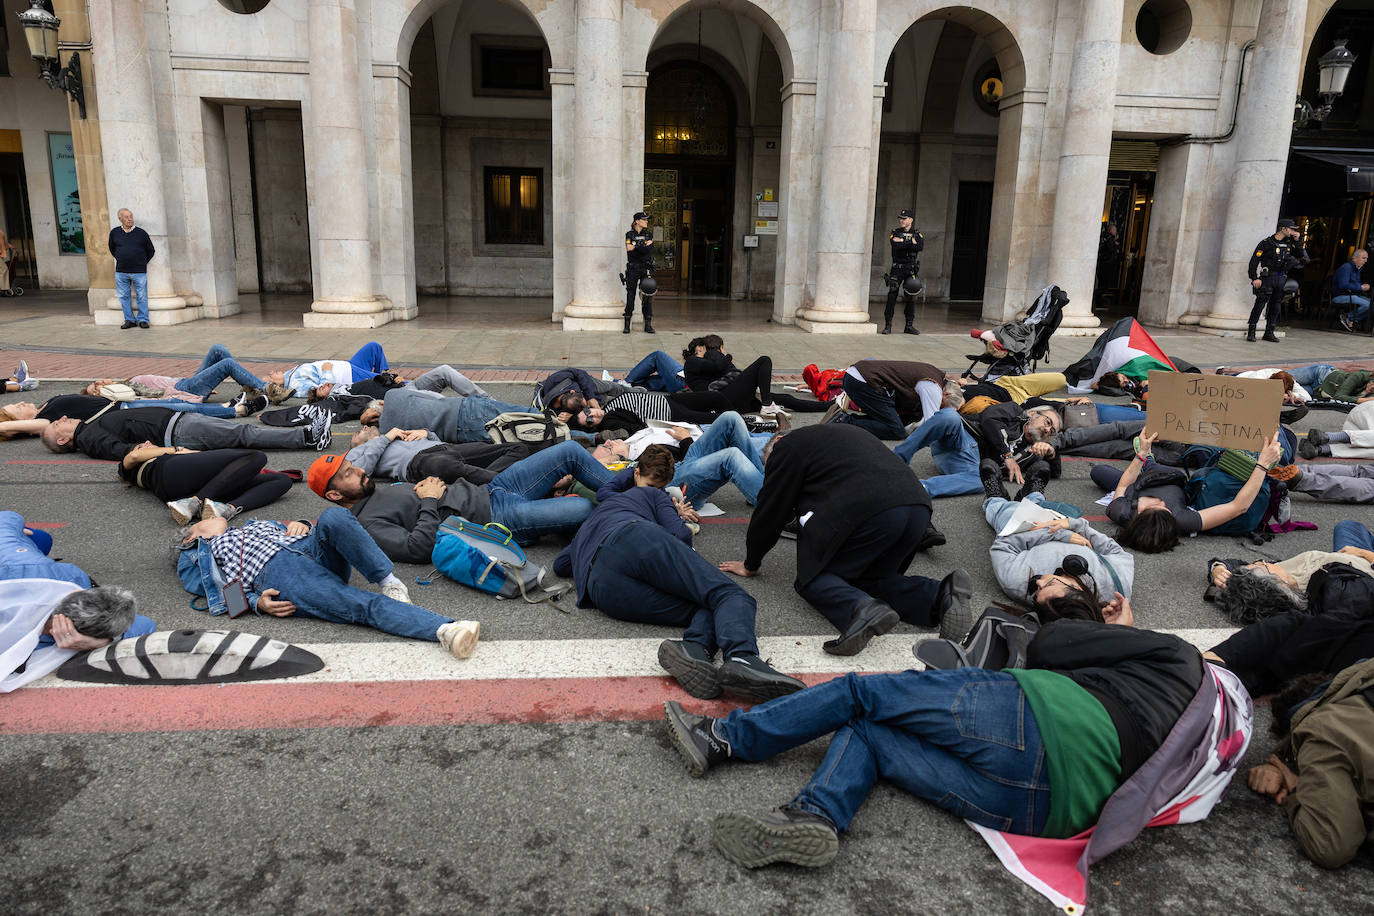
(201, 576)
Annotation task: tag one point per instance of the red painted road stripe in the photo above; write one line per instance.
(45, 525)
(231, 707)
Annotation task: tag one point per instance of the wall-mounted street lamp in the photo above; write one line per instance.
(1333, 68)
(40, 30)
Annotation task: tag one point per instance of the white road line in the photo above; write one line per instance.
(592, 658)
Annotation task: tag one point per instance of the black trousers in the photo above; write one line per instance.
(1268, 298)
(226, 475)
(475, 462)
(897, 275)
(871, 564)
(632, 277)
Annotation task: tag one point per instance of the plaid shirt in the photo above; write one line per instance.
(256, 543)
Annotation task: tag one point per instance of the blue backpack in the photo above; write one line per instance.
(1211, 485)
(487, 558)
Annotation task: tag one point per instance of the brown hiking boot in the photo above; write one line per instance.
(1288, 473)
(276, 393)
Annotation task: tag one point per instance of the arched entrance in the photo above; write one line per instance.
(689, 177)
(959, 144)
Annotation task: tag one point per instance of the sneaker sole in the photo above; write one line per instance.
(958, 620)
(181, 518)
(463, 644)
(760, 689)
(682, 742)
(748, 841)
(697, 678)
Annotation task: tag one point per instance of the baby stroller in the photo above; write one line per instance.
(7, 276)
(1016, 347)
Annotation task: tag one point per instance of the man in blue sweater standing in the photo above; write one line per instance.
(132, 250)
(1346, 289)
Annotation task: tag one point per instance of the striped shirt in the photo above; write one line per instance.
(647, 405)
(242, 552)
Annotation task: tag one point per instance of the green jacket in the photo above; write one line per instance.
(1332, 742)
(1345, 385)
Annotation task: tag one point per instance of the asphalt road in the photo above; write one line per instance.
(565, 817)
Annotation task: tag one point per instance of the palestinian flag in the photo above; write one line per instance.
(1124, 347)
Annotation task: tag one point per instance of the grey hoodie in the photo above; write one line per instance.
(1017, 557)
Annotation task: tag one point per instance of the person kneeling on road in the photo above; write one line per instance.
(633, 559)
(295, 567)
(863, 516)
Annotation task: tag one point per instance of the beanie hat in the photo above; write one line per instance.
(322, 470)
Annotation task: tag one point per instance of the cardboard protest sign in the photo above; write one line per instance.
(1218, 410)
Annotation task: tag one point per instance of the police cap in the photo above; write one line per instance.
(640, 215)
(906, 214)
(1287, 223)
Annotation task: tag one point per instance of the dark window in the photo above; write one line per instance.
(4, 47)
(515, 206)
(521, 69)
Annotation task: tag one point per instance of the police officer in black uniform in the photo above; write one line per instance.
(1274, 256)
(639, 263)
(907, 246)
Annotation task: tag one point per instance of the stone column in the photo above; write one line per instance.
(1017, 205)
(1176, 223)
(1084, 150)
(1264, 127)
(396, 193)
(796, 191)
(336, 174)
(843, 216)
(132, 151)
(564, 231)
(598, 248)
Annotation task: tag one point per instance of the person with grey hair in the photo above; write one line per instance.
(43, 622)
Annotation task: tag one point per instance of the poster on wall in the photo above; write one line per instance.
(71, 237)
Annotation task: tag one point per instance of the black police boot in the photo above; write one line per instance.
(648, 324)
(910, 329)
(1250, 334)
(627, 325)
(887, 328)
(1269, 335)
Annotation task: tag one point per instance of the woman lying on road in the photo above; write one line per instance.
(749, 390)
(219, 483)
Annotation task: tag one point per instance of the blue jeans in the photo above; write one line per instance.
(1360, 303)
(879, 410)
(963, 739)
(724, 453)
(954, 450)
(1311, 377)
(998, 511)
(139, 284)
(218, 365)
(313, 575)
(517, 493)
(657, 372)
(207, 410)
(1351, 534)
(368, 361)
(645, 575)
(1117, 413)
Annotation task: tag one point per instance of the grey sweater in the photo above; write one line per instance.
(1017, 557)
(404, 525)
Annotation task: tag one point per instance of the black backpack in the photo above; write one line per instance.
(999, 639)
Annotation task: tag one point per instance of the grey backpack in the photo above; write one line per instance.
(533, 429)
(998, 640)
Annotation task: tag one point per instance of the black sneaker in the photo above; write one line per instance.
(933, 537)
(1037, 479)
(991, 473)
(752, 678)
(953, 609)
(318, 436)
(143, 325)
(128, 324)
(690, 666)
(1292, 415)
(1307, 450)
(252, 405)
(781, 835)
(1318, 437)
(695, 739)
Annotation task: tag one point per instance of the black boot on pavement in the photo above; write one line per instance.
(695, 739)
(1250, 334)
(1270, 336)
(887, 328)
(933, 537)
(991, 473)
(910, 329)
(872, 618)
(1037, 479)
(784, 835)
(627, 325)
(952, 611)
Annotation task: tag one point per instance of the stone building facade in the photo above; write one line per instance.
(371, 151)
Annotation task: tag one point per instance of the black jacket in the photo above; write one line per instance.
(700, 371)
(113, 434)
(1000, 431)
(841, 473)
(1144, 679)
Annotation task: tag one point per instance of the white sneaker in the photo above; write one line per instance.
(773, 410)
(460, 637)
(212, 509)
(397, 591)
(184, 511)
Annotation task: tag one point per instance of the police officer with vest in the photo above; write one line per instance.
(1274, 256)
(907, 245)
(639, 264)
